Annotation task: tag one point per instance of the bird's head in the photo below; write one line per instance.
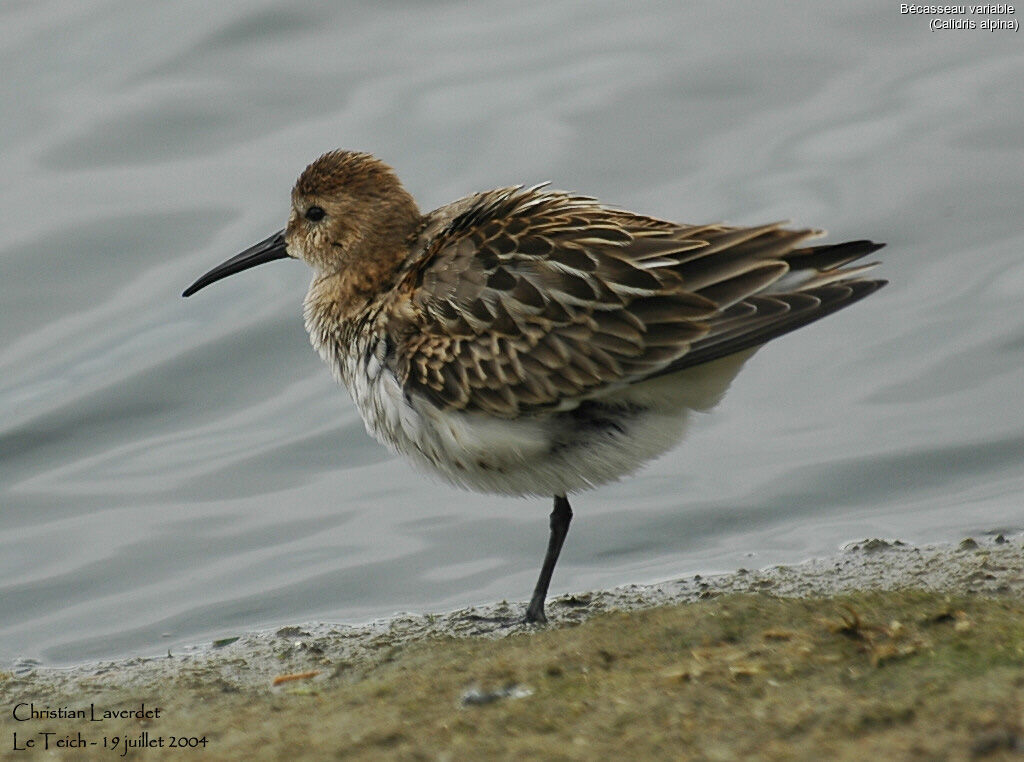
(347, 208)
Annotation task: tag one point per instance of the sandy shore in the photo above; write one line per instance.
(457, 685)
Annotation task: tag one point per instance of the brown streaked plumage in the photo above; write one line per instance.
(529, 341)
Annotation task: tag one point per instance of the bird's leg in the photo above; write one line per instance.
(561, 515)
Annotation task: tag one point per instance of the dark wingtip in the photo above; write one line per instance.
(860, 248)
(831, 256)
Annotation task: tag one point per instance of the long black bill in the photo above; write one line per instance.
(266, 250)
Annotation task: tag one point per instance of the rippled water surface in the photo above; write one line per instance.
(177, 470)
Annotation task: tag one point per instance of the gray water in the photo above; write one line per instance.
(175, 470)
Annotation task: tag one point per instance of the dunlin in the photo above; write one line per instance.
(527, 341)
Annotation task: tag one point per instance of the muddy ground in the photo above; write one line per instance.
(885, 651)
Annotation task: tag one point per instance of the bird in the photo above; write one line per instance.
(534, 342)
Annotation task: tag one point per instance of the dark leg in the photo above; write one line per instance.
(561, 515)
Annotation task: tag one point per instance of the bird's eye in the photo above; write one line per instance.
(315, 213)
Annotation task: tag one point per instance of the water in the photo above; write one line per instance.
(174, 470)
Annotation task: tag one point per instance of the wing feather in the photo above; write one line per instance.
(525, 300)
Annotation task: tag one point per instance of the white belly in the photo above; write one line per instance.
(600, 441)
(538, 455)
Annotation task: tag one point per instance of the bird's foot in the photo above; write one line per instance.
(535, 613)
